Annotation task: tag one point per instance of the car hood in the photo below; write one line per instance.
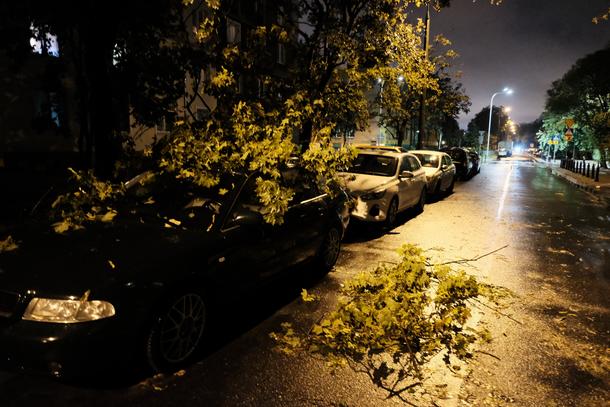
(95, 258)
(364, 182)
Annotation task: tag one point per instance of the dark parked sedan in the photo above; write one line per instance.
(462, 161)
(140, 289)
(476, 161)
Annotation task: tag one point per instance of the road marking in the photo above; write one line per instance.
(504, 192)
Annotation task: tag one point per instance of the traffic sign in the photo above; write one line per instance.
(569, 122)
(568, 136)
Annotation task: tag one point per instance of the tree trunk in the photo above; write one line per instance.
(97, 42)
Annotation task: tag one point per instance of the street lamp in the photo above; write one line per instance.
(507, 91)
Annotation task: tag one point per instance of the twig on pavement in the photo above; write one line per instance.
(465, 261)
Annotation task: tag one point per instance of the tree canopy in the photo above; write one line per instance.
(132, 60)
(583, 93)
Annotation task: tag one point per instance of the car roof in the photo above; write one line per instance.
(395, 149)
(431, 152)
(386, 153)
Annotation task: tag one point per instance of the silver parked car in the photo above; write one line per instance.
(440, 170)
(385, 181)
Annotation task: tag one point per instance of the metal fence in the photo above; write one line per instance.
(582, 167)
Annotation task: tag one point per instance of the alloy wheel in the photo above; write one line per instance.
(181, 328)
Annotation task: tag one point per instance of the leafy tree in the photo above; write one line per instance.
(530, 130)
(584, 94)
(400, 102)
(480, 122)
(337, 49)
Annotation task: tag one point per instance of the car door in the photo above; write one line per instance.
(448, 172)
(419, 178)
(405, 185)
(307, 219)
(254, 250)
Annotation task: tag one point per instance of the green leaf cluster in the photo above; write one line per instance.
(389, 322)
(88, 200)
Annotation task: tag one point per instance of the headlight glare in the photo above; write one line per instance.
(67, 311)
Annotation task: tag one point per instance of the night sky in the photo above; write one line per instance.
(524, 44)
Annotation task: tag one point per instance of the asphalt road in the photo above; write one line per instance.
(551, 343)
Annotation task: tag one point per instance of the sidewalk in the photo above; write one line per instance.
(601, 187)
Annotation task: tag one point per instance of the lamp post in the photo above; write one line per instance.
(422, 99)
(507, 91)
(380, 136)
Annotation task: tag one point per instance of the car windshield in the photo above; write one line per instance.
(168, 198)
(374, 165)
(428, 160)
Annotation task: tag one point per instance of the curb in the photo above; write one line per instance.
(578, 182)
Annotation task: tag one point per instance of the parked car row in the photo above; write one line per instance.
(141, 289)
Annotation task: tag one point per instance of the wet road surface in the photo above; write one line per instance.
(550, 344)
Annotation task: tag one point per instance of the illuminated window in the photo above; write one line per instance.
(43, 42)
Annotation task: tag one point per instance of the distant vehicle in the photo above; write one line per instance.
(140, 290)
(462, 161)
(504, 149)
(384, 182)
(439, 168)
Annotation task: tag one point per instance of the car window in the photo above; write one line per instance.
(160, 197)
(414, 163)
(303, 185)
(374, 165)
(447, 160)
(457, 155)
(428, 160)
(405, 165)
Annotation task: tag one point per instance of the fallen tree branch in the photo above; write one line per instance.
(495, 310)
(465, 261)
(488, 354)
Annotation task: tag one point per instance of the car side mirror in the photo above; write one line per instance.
(245, 218)
(405, 175)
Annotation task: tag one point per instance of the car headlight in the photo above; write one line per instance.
(372, 196)
(67, 311)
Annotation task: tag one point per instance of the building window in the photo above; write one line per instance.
(233, 31)
(43, 42)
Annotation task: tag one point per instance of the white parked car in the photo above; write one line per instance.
(385, 181)
(439, 168)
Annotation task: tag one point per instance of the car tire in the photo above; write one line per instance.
(391, 213)
(422, 201)
(329, 250)
(176, 332)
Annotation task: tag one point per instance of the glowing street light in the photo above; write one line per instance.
(506, 91)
